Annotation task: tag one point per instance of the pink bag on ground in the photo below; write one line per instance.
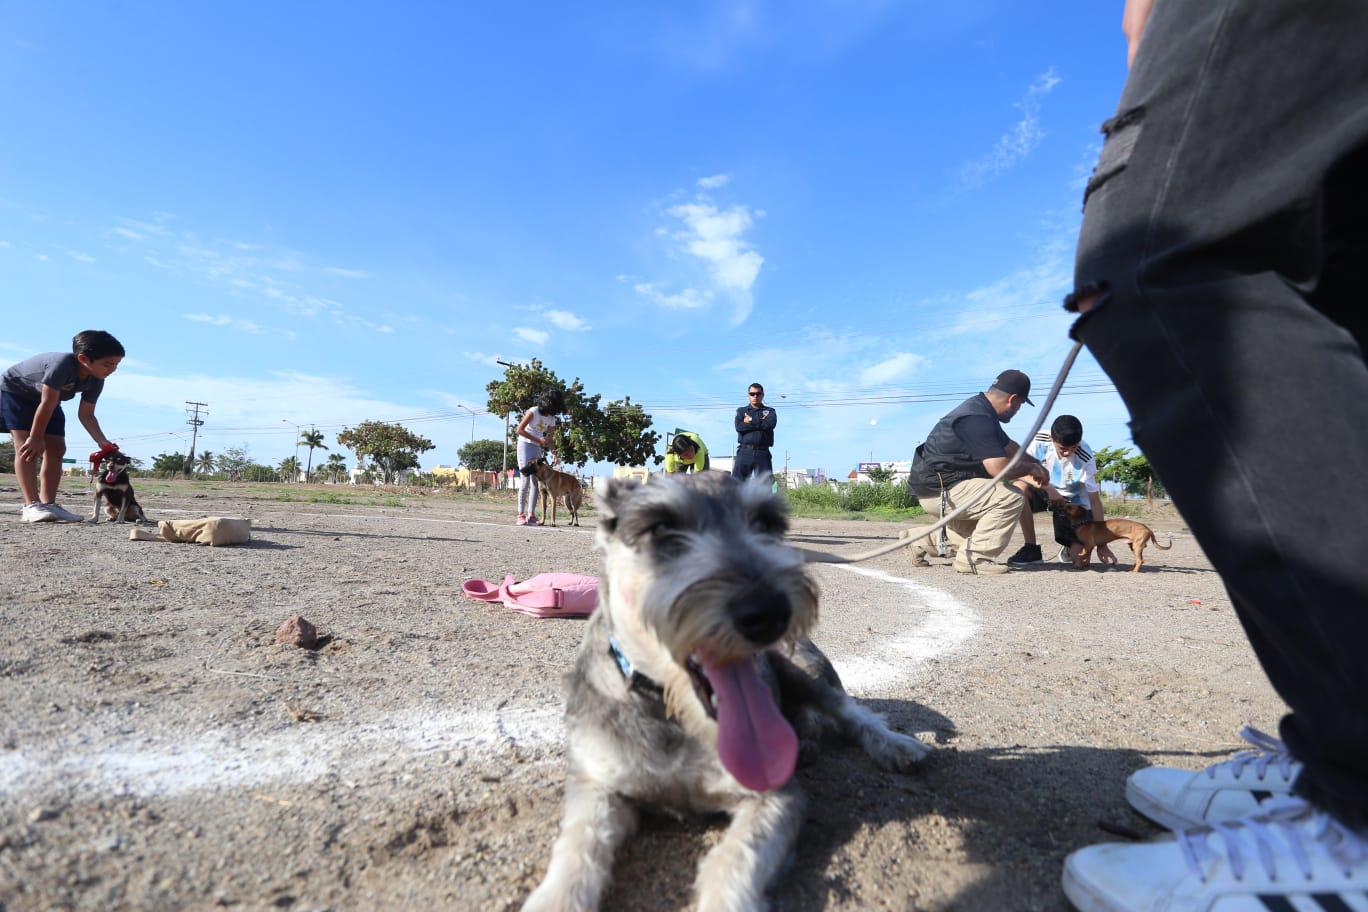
(544, 595)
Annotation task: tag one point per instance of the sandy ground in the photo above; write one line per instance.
(159, 751)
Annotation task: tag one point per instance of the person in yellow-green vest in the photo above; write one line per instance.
(686, 453)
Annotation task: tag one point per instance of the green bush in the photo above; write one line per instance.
(887, 497)
(817, 497)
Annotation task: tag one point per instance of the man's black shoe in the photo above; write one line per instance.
(1029, 554)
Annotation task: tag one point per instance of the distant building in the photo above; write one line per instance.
(902, 470)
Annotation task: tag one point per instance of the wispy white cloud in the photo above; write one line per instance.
(43, 257)
(282, 277)
(688, 299)
(345, 273)
(716, 35)
(236, 323)
(715, 236)
(1016, 143)
(566, 320)
(714, 181)
(1042, 282)
(892, 368)
(483, 358)
(80, 257)
(532, 336)
(246, 326)
(5, 244)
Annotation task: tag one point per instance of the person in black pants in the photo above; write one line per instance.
(755, 423)
(1221, 278)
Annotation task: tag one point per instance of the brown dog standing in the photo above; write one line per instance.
(555, 485)
(1093, 533)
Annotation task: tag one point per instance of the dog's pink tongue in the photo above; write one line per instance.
(111, 476)
(754, 741)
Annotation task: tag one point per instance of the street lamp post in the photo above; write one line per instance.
(299, 429)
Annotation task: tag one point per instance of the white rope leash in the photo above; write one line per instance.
(907, 536)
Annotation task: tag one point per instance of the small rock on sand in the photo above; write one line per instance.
(297, 632)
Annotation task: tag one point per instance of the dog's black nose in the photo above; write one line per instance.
(763, 617)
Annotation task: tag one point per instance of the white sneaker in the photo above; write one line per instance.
(37, 512)
(1289, 857)
(63, 514)
(1179, 799)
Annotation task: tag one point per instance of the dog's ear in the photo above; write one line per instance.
(610, 499)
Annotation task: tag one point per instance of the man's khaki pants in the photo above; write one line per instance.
(985, 529)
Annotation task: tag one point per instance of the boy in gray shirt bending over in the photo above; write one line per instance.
(31, 393)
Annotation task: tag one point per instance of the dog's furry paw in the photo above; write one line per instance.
(899, 753)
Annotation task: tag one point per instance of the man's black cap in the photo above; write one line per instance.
(1015, 383)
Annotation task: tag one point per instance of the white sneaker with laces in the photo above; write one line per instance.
(1289, 857)
(37, 512)
(1179, 799)
(62, 514)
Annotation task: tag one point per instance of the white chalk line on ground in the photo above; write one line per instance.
(944, 624)
(220, 760)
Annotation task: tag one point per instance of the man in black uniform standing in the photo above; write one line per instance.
(964, 451)
(755, 423)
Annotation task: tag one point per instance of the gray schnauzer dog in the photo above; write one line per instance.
(674, 700)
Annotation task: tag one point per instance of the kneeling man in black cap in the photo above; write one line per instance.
(964, 451)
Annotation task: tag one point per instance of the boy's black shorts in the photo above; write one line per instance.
(1063, 529)
(16, 414)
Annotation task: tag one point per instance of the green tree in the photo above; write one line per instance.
(337, 466)
(482, 455)
(234, 463)
(7, 456)
(1106, 456)
(289, 468)
(254, 471)
(313, 439)
(391, 447)
(168, 464)
(879, 474)
(618, 432)
(1133, 473)
(205, 463)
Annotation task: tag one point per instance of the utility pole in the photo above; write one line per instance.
(503, 476)
(472, 421)
(195, 422)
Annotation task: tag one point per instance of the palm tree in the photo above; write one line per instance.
(313, 439)
(337, 465)
(205, 463)
(289, 468)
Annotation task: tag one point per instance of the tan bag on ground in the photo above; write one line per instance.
(211, 530)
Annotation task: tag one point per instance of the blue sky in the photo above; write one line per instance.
(325, 213)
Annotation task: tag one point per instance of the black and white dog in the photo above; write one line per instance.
(694, 687)
(112, 486)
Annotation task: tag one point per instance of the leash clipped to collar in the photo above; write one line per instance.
(908, 536)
